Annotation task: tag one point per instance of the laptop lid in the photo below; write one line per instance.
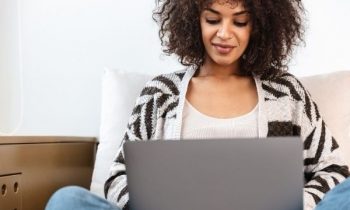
(251, 174)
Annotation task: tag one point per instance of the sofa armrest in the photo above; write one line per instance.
(40, 165)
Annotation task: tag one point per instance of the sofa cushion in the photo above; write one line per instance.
(120, 90)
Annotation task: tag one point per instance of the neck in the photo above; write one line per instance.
(219, 71)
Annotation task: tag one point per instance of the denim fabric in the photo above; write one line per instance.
(336, 199)
(77, 198)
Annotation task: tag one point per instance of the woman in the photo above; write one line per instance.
(236, 53)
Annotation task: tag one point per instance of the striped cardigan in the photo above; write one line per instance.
(285, 109)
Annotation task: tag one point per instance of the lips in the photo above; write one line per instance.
(223, 48)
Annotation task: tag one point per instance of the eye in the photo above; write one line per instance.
(212, 21)
(240, 24)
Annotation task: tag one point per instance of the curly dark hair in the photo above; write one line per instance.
(277, 28)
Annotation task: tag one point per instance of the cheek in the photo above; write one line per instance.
(206, 38)
(248, 33)
(207, 34)
(244, 38)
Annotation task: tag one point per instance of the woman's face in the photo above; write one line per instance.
(226, 30)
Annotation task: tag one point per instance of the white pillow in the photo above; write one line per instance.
(331, 93)
(119, 92)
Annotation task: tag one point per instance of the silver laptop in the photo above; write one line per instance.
(240, 174)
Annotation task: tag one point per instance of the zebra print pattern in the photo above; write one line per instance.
(319, 145)
(159, 99)
(290, 112)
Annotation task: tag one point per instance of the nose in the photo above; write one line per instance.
(224, 32)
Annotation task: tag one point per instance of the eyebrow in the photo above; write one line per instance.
(234, 14)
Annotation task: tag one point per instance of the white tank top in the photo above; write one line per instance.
(196, 125)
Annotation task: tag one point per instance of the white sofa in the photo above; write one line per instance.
(120, 89)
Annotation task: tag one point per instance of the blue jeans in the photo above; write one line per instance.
(336, 199)
(77, 198)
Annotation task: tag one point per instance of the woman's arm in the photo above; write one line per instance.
(116, 185)
(324, 167)
(155, 100)
(140, 127)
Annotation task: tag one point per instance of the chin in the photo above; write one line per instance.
(225, 62)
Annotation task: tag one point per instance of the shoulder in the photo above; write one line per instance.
(285, 84)
(165, 84)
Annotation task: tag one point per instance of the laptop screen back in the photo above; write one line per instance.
(252, 174)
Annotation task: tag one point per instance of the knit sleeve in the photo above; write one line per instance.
(155, 101)
(324, 167)
(140, 127)
(116, 185)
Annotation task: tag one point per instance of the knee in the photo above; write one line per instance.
(66, 196)
(347, 181)
(337, 198)
(69, 192)
(343, 188)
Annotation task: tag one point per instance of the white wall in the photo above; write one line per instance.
(66, 44)
(9, 66)
(327, 38)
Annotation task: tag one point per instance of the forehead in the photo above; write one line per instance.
(232, 4)
(224, 7)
